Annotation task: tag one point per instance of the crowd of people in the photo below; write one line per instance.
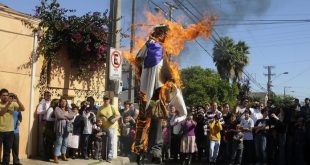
(251, 133)
(85, 131)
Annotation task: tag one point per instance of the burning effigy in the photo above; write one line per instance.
(158, 78)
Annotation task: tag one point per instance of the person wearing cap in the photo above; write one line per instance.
(109, 116)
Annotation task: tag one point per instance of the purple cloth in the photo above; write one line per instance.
(189, 128)
(154, 54)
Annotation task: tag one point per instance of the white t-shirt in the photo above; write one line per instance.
(177, 128)
(48, 114)
(42, 108)
(255, 114)
(247, 124)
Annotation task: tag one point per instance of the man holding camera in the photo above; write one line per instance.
(7, 107)
(109, 116)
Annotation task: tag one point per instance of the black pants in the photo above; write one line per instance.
(105, 146)
(6, 138)
(15, 149)
(49, 138)
(125, 142)
(248, 152)
(175, 145)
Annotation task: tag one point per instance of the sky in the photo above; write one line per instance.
(283, 45)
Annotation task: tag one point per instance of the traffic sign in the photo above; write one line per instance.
(116, 58)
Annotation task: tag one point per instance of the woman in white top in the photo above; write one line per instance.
(49, 133)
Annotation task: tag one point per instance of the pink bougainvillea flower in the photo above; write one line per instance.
(93, 67)
(99, 56)
(76, 37)
(105, 49)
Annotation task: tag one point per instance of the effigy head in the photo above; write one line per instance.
(160, 32)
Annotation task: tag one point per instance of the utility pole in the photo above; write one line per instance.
(131, 91)
(171, 8)
(115, 17)
(269, 85)
(114, 38)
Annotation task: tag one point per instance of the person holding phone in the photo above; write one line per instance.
(7, 107)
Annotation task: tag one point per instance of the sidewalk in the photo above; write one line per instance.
(118, 161)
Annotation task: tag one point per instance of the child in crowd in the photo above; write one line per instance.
(166, 139)
(237, 146)
(89, 119)
(188, 140)
(230, 130)
(247, 125)
(125, 139)
(98, 134)
(75, 132)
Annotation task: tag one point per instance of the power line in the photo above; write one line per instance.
(273, 20)
(299, 74)
(184, 8)
(262, 23)
(244, 71)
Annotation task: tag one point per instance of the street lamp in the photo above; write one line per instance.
(269, 83)
(279, 75)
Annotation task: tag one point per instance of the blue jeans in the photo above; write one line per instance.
(85, 139)
(61, 143)
(236, 153)
(261, 148)
(111, 144)
(214, 150)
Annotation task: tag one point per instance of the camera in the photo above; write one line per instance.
(13, 96)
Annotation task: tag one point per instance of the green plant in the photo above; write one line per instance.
(202, 86)
(84, 37)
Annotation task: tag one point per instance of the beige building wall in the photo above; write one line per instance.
(16, 46)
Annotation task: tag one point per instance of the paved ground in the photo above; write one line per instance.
(118, 161)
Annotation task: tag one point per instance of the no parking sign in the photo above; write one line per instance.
(115, 71)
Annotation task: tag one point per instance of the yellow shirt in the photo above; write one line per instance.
(7, 120)
(215, 131)
(104, 113)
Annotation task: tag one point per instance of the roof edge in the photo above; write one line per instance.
(9, 10)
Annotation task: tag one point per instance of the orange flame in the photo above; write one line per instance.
(175, 41)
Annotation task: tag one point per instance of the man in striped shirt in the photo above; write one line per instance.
(213, 116)
(213, 113)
